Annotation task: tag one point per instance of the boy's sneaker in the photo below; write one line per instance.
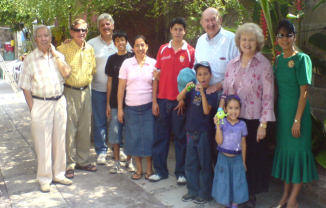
(199, 200)
(101, 159)
(181, 180)
(115, 168)
(130, 166)
(123, 157)
(188, 197)
(155, 178)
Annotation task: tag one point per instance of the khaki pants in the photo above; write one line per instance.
(48, 130)
(78, 126)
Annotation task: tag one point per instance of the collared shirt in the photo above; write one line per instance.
(40, 74)
(102, 52)
(171, 63)
(81, 61)
(254, 85)
(139, 80)
(218, 51)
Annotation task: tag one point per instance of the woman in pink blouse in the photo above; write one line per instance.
(135, 78)
(250, 76)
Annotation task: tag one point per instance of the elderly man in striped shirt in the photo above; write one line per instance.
(42, 79)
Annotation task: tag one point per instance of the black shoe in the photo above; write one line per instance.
(188, 197)
(199, 200)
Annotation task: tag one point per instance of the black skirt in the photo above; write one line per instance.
(258, 160)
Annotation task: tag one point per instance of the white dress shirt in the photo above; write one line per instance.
(218, 51)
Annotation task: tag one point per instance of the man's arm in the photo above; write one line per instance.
(28, 98)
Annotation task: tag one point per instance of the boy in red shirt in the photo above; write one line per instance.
(171, 58)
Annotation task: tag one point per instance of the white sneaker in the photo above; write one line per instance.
(181, 180)
(154, 178)
(115, 168)
(101, 159)
(130, 166)
(123, 157)
(45, 187)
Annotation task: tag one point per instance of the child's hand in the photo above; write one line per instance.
(216, 121)
(189, 86)
(199, 87)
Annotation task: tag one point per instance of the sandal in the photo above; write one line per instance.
(136, 176)
(147, 175)
(89, 167)
(70, 173)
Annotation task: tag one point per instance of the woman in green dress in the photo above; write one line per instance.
(293, 160)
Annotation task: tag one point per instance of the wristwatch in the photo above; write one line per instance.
(263, 125)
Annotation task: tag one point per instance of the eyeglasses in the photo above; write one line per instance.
(290, 35)
(79, 30)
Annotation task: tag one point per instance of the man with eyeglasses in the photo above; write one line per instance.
(80, 56)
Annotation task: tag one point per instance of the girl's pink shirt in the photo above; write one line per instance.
(139, 80)
(254, 85)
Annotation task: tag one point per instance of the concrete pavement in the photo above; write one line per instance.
(18, 187)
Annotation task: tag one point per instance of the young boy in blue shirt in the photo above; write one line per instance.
(200, 109)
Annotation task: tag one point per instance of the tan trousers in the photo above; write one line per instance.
(79, 111)
(48, 130)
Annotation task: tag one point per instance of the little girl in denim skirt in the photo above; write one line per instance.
(230, 185)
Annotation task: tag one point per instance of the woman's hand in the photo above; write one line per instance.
(296, 129)
(245, 166)
(261, 133)
(214, 88)
(120, 115)
(155, 109)
(180, 107)
(156, 74)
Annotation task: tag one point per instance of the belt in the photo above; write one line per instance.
(45, 98)
(76, 88)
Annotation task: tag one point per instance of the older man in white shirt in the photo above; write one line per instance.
(217, 46)
(42, 78)
(103, 48)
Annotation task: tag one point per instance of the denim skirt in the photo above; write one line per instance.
(139, 130)
(230, 184)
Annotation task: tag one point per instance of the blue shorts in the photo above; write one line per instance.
(230, 183)
(115, 128)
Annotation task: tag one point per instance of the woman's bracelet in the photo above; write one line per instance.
(263, 125)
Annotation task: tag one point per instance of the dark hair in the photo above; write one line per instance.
(232, 97)
(203, 64)
(141, 37)
(178, 20)
(286, 25)
(119, 34)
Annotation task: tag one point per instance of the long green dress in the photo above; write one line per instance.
(293, 159)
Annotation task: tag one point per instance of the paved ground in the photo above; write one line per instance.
(18, 187)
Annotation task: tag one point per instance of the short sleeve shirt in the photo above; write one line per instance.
(139, 80)
(232, 134)
(195, 118)
(171, 63)
(40, 75)
(102, 52)
(112, 69)
(218, 51)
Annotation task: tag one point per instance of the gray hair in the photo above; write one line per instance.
(250, 28)
(37, 27)
(102, 17)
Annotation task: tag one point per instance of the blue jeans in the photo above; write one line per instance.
(169, 121)
(99, 121)
(115, 128)
(199, 171)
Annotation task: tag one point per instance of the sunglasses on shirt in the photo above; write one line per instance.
(290, 35)
(79, 30)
